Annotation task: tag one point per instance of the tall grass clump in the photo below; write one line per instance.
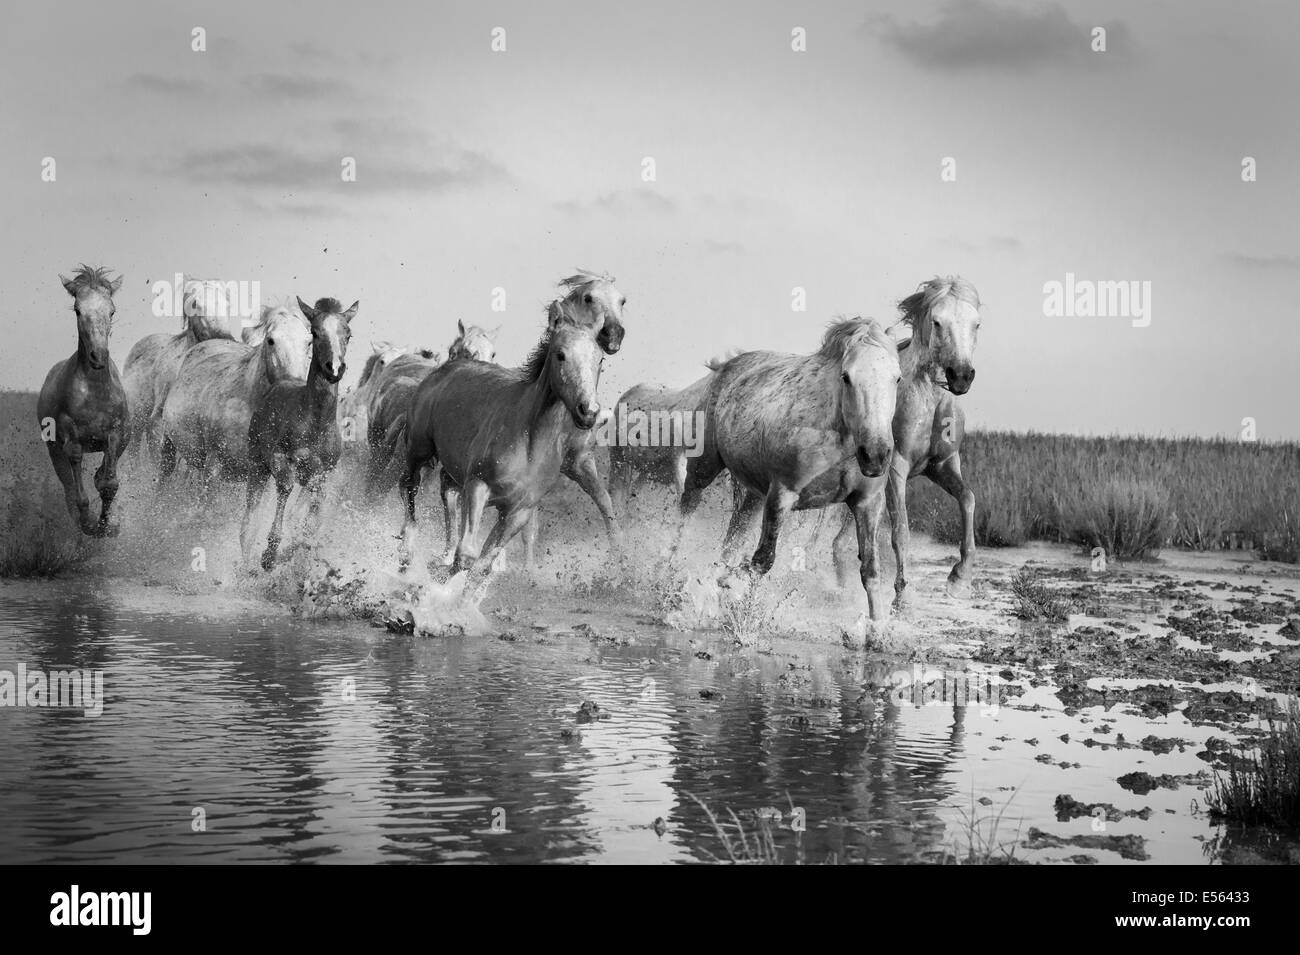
(1263, 787)
(1127, 518)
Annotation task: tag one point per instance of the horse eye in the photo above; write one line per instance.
(270, 341)
(845, 378)
(560, 356)
(623, 301)
(587, 298)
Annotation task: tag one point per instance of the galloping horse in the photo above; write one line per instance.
(800, 432)
(664, 461)
(354, 406)
(294, 431)
(206, 415)
(938, 363)
(155, 360)
(83, 400)
(502, 435)
(391, 397)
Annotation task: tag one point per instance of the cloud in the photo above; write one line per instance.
(975, 34)
(295, 86)
(622, 201)
(168, 85)
(1271, 263)
(392, 157)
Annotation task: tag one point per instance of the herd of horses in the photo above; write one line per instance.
(848, 424)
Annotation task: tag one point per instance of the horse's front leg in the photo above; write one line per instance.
(582, 470)
(258, 477)
(450, 494)
(776, 508)
(106, 484)
(67, 465)
(866, 514)
(474, 499)
(948, 476)
(744, 507)
(283, 472)
(900, 530)
(506, 527)
(410, 487)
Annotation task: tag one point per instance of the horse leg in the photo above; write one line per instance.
(530, 541)
(839, 547)
(450, 516)
(410, 487)
(948, 476)
(508, 524)
(106, 483)
(901, 532)
(257, 478)
(66, 458)
(582, 470)
(166, 460)
(776, 508)
(866, 513)
(744, 507)
(284, 477)
(475, 499)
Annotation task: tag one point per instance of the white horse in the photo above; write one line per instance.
(206, 415)
(154, 361)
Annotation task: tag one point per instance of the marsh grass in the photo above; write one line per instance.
(1034, 600)
(983, 844)
(1263, 787)
(1129, 495)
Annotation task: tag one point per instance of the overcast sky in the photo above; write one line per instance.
(775, 169)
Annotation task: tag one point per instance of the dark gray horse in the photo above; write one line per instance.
(294, 431)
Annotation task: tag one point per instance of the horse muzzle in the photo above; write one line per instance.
(335, 379)
(610, 338)
(585, 418)
(959, 380)
(873, 463)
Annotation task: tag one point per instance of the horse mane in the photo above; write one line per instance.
(584, 279)
(531, 369)
(717, 361)
(427, 353)
(329, 306)
(87, 278)
(844, 333)
(918, 306)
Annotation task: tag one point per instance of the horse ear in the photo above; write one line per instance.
(308, 312)
(351, 313)
(115, 284)
(68, 286)
(460, 325)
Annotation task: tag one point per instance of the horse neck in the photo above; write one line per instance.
(541, 402)
(918, 362)
(826, 395)
(322, 394)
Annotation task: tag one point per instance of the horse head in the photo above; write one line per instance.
(206, 309)
(570, 357)
(869, 373)
(285, 342)
(473, 342)
(330, 331)
(945, 317)
(594, 299)
(92, 293)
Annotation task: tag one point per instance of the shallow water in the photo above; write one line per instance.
(335, 741)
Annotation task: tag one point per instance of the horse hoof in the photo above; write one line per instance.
(112, 530)
(268, 560)
(902, 600)
(957, 586)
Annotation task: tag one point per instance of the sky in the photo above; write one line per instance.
(774, 169)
